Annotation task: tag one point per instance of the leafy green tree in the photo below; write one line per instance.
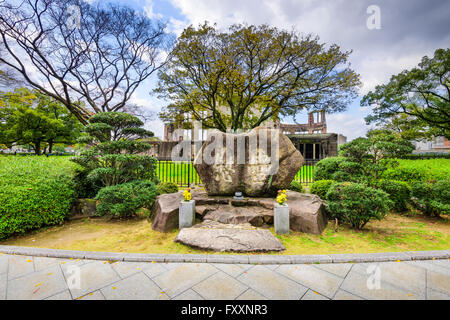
(240, 78)
(116, 153)
(422, 93)
(29, 117)
(376, 153)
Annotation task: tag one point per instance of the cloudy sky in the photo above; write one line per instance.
(409, 29)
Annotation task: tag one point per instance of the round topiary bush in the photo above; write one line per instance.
(399, 192)
(356, 204)
(296, 186)
(166, 187)
(321, 188)
(124, 200)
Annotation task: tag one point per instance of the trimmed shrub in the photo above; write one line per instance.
(356, 204)
(34, 192)
(338, 169)
(399, 192)
(321, 187)
(432, 198)
(326, 168)
(166, 187)
(124, 200)
(296, 186)
(441, 197)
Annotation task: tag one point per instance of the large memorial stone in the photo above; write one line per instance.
(256, 163)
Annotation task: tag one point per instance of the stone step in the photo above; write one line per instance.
(212, 235)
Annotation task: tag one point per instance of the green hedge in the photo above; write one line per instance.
(419, 170)
(34, 192)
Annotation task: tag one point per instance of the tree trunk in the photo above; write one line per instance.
(37, 148)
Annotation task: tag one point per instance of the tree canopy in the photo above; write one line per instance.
(29, 117)
(91, 58)
(417, 99)
(239, 78)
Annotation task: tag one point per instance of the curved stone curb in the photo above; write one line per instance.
(219, 258)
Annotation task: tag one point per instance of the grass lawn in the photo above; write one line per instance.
(395, 233)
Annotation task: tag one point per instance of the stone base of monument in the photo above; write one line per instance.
(307, 214)
(216, 236)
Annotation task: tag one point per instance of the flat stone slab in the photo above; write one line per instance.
(215, 236)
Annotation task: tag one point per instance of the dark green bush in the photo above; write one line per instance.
(34, 192)
(399, 192)
(326, 168)
(166, 187)
(338, 169)
(321, 187)
(441, 197)
(296, 186)
(356, 204)
(432, 198)
(124, 200)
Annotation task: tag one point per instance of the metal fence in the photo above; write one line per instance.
(183, 173)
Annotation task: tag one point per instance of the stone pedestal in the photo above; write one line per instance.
(186, 216)
(281, 219)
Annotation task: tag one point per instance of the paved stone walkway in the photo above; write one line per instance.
(26, 277)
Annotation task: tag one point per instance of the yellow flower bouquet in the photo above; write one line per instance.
(282, 197)
(187, 194)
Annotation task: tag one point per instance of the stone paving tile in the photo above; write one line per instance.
(436, 295)
(251, 295)
(38, 285)
(438, 282)
(3, 282)
(442, 263)
(183, 277)
(272, 285)
(188, 295)
(4, 259)
(96, 295)
(65, 295)
(41, 263)
(126, 269)
(312, 295)
(399, 274)
(430, 266)
(220, 286)
(135, 287)
(318, 280)
(93, 276)
(272, 266)
(339, 269)
(20, 266)
(357, 284)
(233, 270)
(344, 295)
